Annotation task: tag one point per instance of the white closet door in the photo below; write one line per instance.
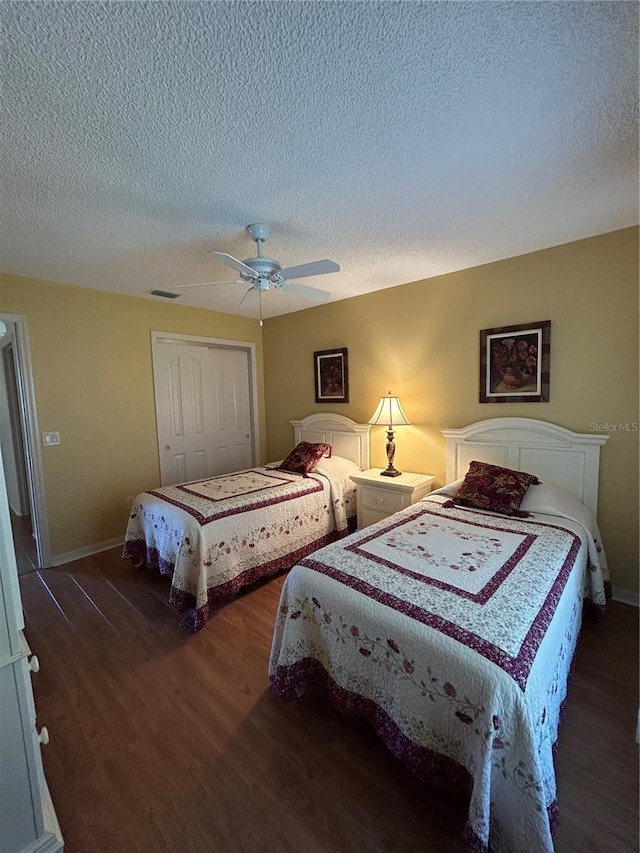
(232, 410)
(185, 413)
(204, 411)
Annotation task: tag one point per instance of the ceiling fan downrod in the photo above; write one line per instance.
(259, 233)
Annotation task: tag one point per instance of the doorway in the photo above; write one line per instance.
(14, 461)
(206, 406)
(21, 449)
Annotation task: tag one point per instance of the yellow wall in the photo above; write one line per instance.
(421, 341)
(91, 358)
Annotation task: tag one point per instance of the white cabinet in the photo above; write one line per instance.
(27, 820)
(379, 496)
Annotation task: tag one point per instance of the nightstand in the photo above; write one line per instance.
(379, 497)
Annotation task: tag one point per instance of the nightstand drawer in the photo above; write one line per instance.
(370, 516)
(381, 501)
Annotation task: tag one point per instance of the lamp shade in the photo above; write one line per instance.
(389, 412)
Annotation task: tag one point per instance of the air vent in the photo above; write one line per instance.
(164, 293)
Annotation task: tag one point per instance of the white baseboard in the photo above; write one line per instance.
(626, 596)
(70, 556)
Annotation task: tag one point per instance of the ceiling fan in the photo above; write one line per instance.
(262, 273)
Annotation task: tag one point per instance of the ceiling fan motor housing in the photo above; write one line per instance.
(265, 268)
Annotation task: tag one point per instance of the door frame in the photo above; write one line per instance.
(159, 338)
(10, 370)
(31, 437)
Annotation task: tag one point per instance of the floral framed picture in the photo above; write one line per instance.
(514, 363)
(331, 375)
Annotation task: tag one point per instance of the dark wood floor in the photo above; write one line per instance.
(166, 742)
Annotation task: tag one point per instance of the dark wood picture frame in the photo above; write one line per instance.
(514, 363)
(331, 371)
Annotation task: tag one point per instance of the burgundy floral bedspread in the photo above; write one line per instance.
(217, 535)
(452, 631)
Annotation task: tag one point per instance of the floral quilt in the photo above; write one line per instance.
(452, 631)
(217, 535)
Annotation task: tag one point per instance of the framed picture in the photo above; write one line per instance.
(514, 363)
(331, 375)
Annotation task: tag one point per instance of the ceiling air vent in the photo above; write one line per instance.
(164, 293)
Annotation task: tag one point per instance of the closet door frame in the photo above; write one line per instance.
(160, 338)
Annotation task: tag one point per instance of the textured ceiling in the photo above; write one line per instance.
(403, 140)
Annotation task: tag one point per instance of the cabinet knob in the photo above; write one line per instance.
(379, 500)
(34, 663)
(43, 737)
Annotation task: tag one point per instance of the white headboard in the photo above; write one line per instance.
(554, 454)
(348, 439)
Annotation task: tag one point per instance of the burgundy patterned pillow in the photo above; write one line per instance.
(304, 457)
(492, 487)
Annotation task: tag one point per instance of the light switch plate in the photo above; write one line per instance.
(50, 438)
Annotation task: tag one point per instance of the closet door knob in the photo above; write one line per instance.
(34, 664)
(43, 737)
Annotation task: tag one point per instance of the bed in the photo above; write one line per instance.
(218, 535)
(452, 628)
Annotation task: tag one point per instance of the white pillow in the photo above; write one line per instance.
(545, 498)
(336, 465)
(450, 489)
(550, 499)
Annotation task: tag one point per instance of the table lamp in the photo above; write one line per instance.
(389, 412)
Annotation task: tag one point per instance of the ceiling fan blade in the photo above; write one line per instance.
(314, 268)
(312, 293)
(206, 284)
(234, 263)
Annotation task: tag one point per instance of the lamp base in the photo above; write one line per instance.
(390, 471)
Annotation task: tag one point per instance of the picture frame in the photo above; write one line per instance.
(514, 363)
(331, 371)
